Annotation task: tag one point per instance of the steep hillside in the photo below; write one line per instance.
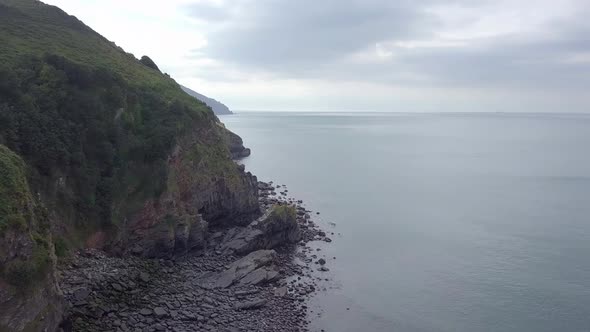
(115, 152)
(217, 107)
(29, 297)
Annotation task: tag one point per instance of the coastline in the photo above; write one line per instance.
(140, 294)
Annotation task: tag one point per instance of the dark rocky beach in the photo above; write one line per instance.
(253, 278)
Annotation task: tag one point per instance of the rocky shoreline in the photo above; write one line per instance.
(253, 278)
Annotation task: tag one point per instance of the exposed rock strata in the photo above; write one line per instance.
(277, 226)
(252, 269)
(197, 194)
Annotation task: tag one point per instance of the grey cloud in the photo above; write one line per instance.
(274, 34)
(315, 39)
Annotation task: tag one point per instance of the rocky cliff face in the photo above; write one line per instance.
(236, 146)
(202, 188)
(29, 296)
(103, 152)
(276, 227)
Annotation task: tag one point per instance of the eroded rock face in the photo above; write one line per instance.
(203, 187)
(236, 146)
(277, 226)
(164, 236)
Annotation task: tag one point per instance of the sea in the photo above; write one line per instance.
(439, 221)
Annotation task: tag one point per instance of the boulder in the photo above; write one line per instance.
(276, 227)
(252, 269)
(160, 312)
(260, 276)
(281, 291)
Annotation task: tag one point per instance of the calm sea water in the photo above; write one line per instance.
(454, 222)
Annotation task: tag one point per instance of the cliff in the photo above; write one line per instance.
(29, 297)
(106, 152)
(216, 106)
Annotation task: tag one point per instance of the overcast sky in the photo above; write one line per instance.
(349, 55)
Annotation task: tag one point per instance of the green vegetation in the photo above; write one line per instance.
(14, 191)
(28, 221)
(94, 123)
(29, 27)
(87, 125)
(284, 213)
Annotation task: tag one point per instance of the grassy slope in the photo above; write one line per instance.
(18, 216)
(30, 27)
(14, 190)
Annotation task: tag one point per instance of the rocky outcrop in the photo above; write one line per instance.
(277, 226)
(252, 269)
(203, 187)
(170, 235)
(236, 146)
(29, 296)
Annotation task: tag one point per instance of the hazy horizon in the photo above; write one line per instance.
(427, 56)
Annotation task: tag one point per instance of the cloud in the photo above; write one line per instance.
(270, 35)
(502, 53)
(426, 42)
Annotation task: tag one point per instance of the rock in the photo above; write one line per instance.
(281, 291)
(171, 234)
(160, 312)
(260, 276)
(244, 153)
(255, 304)
(246, 292)
(145, 312)
(239, 269)
(277, 226)
(81, 294)
(322, 261)
(236, 146)
(117, 287)
(144, 277)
